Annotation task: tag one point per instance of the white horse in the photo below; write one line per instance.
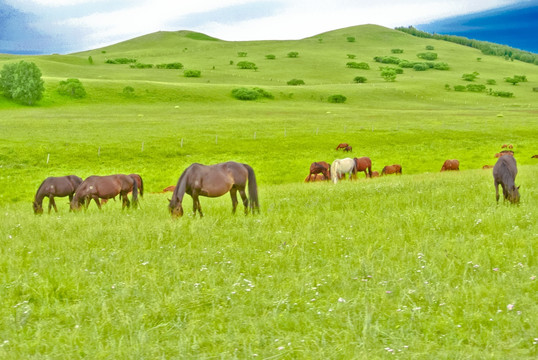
(342, 167)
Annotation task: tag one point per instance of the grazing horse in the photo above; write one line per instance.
(320, 167)
(348, 149)
(363, 164)
(214, 181)
(342, 146)
(485, 167)
(375, 173)
(451, 165)
(504, 173)
(342, 167)
(316, 177)
(169, 188)
(55, 186)
(105, 187)
(392, 169)
(504, 152)
(534, 157)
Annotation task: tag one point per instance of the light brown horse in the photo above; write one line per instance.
(169, 188)
(55, 187)
(342, 146)
(485, 167)
(362, 164)
(504, 152)
(375, 173)
(319, 167)
(105, 187)
(214, 181)
(392, 169)
(316, 177)
(451, 165)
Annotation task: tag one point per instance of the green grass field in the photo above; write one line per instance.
(419, 266)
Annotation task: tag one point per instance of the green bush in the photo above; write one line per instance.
(388, 74)
(506, 94)
(356, 65)
(293, 54)
(459, 88)
(128, 91)
(470, 77)
(270, 57)
(397, 70)
(387, 59)
(476, 87)
(250, 94)
(192, 73)
(441, 66)
(420, 67)
(351, 56)
(295, 82)
(120, 61)
(429, 47)
(337, 99)
(491, 82)
(359, 79)
(427, 56)
(72, 88)
(22, 82)
(176, 65)
(350, 39)
(246, 65)
(242, 54)
(397, 51)
(141, 66)
(406, 64)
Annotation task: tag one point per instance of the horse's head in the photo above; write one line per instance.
(76, 203)
(38, 208)
(513, 194)
(175, 208)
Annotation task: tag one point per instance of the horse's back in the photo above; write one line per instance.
(505, 164)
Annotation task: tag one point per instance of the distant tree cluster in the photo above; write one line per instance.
(358, 65)
(251, 94)
(72, 88)
(417, 66)
(487, 48)
(22, 82)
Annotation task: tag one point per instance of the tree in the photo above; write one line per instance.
(388, 74)
(470, 77)
(72, 88)
(293, 54)
(22, 82)
(359, 79)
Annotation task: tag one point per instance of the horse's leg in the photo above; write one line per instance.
(244, 198)
(496, 191)
(233, 195)
(196, 204)
(96, 199)
(51, 201)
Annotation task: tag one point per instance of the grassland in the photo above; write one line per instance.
(417, 266)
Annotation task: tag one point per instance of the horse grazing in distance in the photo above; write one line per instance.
(450, 165)
(341, 167)
(316, 178)
(485, 167)
(320, 167)
(504, 173)
(348, 149)
(392, 169)
(105, 187)
(534, 157)
(504, 152)
(375, 174)
(362, 164)
(342, 146)
(55, 186)
(214, 181)
(169, 188)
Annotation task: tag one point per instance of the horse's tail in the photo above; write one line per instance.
(252, 190)
(334, 171)
(135, 193)
(141, 186)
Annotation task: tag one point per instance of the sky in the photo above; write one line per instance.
(66, 26)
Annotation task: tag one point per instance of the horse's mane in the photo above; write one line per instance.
(39, 189)
(180, 186)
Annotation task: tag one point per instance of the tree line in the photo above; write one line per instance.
(485, 47)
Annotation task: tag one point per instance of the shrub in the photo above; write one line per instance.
(22, 82)
(387, 59)
(141, 66)
(459, 88)
(397, 70)
(420, 67)
(250, 94)
(350, 39)
(264, 93)
(295, 82)
(491, 82)
(121, 61)
(246, 65)
(506, 94)
(192, 73)
(427, 56)
(388, 74)
(406, 64)
(337, 99)
(476, 87)
(470, 77)
(359, 79)
(447, 87)
(128, 91)
(429, 47)
(270, 57)
(72, 88)
(175, 65)
(351, 56)
(356, 65)
(293, 54)
(241, 54)
(397, 51)
(441, 66)
(90, 60)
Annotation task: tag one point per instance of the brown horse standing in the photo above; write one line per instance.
(504, 173)
(55, 186)
(392, 169)
(362, 164)
(451, 165)
(319, 167)
(105, 187)
(214, 181)
(342, 146)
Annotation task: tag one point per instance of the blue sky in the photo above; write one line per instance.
(64, 26)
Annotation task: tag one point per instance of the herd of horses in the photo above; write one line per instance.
(216, 180)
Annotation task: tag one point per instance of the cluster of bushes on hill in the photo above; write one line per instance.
(417, 66)
(487, 48)
(243, 93)
(22, 82)
(134, 64)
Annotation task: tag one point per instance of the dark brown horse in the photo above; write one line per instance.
(342, 146)
(504, 173)
(214, 181)
(105, 187)
(320, 167)
(348, 149)
(392, 169)
(362, 164)
(450, 165)
(55, 186)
